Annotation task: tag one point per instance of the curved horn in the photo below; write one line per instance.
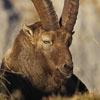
(69, 14)
(47, 14)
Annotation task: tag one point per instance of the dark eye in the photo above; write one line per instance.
(46, 41)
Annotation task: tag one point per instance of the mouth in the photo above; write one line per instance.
(66, 75)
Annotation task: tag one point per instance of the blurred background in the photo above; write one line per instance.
(85, 47)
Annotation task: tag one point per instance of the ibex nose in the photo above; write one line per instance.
(68, 68)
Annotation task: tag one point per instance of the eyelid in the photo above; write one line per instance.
(47, 42)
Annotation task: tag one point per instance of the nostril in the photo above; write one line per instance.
(68, 67)
(65, 66)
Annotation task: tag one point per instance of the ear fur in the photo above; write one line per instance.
(27, 30)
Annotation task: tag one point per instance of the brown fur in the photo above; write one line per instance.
(38, 61)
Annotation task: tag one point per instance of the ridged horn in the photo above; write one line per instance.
(69, 14)
(47, 14)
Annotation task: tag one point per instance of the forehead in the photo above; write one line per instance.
(48, 34)
(58, 34)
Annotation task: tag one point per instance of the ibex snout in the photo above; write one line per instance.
(66, 69)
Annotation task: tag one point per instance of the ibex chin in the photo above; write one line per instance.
(40, 62)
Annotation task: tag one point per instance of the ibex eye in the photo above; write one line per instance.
(46, 42)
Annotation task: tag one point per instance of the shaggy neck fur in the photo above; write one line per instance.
(31, 64)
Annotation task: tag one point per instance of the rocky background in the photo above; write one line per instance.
(85, 48)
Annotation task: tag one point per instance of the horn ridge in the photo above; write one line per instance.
(47, 14)
(69, 14)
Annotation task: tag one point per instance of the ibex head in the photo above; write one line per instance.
(41, 51)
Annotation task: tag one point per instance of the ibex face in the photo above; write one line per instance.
(53, 46)
(41, 51)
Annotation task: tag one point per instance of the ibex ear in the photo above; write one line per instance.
(60, 22)
(73, 32)
(27, 30)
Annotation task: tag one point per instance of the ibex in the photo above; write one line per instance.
(40, 60)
